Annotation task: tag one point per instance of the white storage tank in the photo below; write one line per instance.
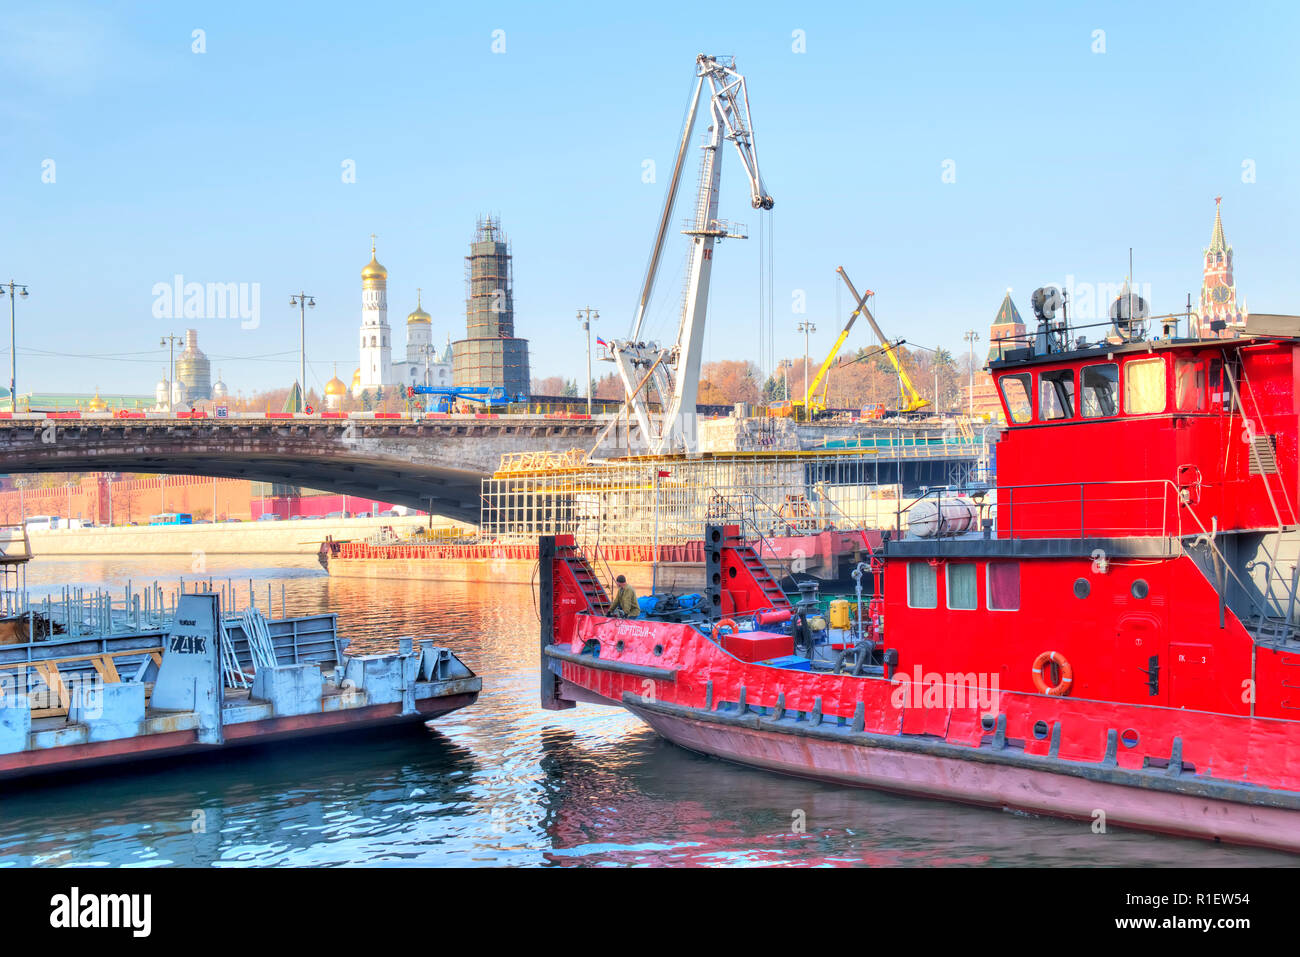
(944, 516)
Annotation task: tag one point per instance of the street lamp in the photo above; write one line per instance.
(971, 337)
(806, 328)
(13, 350)
(585, 316)
(428, 350)
(171, 368)
(302, 301)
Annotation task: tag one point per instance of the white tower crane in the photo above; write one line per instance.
(675, 373)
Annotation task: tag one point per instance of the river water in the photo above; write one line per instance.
(502, 782)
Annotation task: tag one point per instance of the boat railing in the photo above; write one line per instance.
(75, 611)
(1126, 508)
(47, 673)
(748, 519)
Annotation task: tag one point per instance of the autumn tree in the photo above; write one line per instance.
(550, 386)
(609, 387)
(729, 381)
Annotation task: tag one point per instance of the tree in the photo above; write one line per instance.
(366, 402)
(609, 387)
(570, 389)
(774, 389)
(549, 386)
(728, 382)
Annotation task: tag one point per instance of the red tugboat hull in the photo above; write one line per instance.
(962, 780)
(1171, 770)
(851, 732)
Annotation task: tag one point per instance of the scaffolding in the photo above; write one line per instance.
(667, 500)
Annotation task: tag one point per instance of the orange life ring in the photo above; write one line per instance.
(1065, 672)
(724, 622)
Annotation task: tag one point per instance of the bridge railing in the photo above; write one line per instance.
(312, 417)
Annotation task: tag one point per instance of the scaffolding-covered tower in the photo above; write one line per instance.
(490, 355)
(193, 370)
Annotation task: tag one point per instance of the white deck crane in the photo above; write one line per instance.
(674, 373)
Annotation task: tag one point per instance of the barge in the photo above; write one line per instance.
(200, 679)
(1115, 641)
(828, 556)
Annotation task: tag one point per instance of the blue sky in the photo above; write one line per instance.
(226, 166)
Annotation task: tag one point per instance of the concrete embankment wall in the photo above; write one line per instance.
(222, 538)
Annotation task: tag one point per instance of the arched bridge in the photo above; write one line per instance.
(431, 464)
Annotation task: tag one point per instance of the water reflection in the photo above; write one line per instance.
(502, 782)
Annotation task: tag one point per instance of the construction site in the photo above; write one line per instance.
(813, 487)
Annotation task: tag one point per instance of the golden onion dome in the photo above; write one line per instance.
(373, 271)
(419, 316)
(97, 404)
(356, 379)
(336, 386)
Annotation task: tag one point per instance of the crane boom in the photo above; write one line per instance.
(912, 398)
(830, 358)
(674, 373)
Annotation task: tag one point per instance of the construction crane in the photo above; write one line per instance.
(912, 401)
(674, 373)
(812, 406)
(442, 397)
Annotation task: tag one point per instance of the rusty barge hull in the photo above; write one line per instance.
(158, 744)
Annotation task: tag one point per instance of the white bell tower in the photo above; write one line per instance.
(376, 337)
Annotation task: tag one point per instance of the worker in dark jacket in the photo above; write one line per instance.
(625, 604)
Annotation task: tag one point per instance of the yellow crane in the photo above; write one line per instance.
(912, 400)
(811, 405)
(814, 405)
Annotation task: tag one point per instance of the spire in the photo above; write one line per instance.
(1007, 312)
(1217, 242)
(293, 402)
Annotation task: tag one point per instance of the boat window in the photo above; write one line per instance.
(1056, 394)
(1004, 586)
(1100, 387)
(922, 585)
(1144, 386)
(1015, 392)
(961, 587)
(1189, 385)
(1220, 387)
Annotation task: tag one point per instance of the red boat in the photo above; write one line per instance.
(1109, 634)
